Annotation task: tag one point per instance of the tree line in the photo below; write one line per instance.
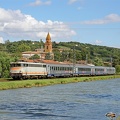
(63, 51)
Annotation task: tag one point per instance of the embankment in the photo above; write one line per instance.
(10, 84)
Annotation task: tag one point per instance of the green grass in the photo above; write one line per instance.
(10, 84)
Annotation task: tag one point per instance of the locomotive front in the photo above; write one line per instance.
(16, 70)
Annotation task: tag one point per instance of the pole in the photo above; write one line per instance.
(111, 61)
(74, 60)
(86, 58)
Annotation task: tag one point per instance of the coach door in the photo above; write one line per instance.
(25, 66)
(76, 70)
(48, 69)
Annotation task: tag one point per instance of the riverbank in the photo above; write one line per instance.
(10, 84)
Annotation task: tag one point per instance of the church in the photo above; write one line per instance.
(44, 53)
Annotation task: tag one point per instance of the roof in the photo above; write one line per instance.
(48, 37)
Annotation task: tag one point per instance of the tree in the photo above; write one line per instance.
(98, 61)
(23, 47)
(49, 56)
(57, 55)
(34, 57)
(117, 68)
(5, 60)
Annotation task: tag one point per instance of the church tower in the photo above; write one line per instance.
(48, 44)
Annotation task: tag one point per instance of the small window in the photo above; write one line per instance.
(25, 65)
(44, 66)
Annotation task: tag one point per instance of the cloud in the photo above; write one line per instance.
(1, 40)
(39, 2)
(107, 19)
(73, 1)
(79, 8)
(98, 42)
(15, 24)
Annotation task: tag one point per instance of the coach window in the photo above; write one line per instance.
(52, 68)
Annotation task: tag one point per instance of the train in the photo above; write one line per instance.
(30, 70)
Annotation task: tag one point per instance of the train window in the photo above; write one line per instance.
(88, 69)
(44, 66)
(25, 65)
(99, 69)
(36, 65)
(12, 65)
(17, 65)
(52, 68)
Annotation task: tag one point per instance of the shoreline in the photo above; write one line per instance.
(6, 84)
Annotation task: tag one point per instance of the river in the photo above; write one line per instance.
(78, 101)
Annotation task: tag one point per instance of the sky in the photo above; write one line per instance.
(94, 22)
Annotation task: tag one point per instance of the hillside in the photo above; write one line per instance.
(63, 51)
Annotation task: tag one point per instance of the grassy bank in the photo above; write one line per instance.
(9, 84)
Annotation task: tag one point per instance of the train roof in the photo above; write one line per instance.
(52, 62)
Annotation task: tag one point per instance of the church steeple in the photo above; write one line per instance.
(48, 37)
(48, 44)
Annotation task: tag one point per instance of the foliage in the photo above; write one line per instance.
(34, 57)
(98, 55)
(49, 56)
(5, 60)
(117, 68)
(98, 61)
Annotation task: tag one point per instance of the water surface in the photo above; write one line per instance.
(78, 101)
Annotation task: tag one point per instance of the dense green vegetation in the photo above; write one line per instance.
(63, 51)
